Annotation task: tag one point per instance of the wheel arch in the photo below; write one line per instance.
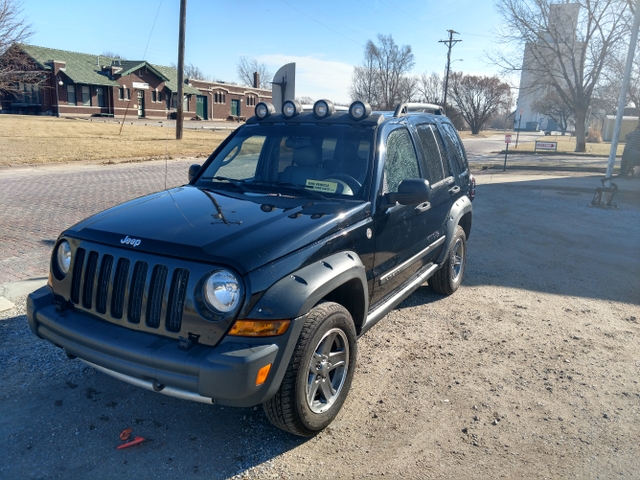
(339, 278)
(461, 213)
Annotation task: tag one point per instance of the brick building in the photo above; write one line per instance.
(79, 84)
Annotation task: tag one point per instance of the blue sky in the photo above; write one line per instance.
(325, 38)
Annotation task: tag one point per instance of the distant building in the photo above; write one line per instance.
(534, 79)
(80, 84)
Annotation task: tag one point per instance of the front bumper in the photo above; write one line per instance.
(224, 374)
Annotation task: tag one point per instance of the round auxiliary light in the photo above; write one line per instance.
(63, 259)
(323, 108)
(359, 110)
(291, 108)
(264, 109)
(222, 291)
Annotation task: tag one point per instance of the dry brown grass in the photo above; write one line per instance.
(29, 139)
(567, 144)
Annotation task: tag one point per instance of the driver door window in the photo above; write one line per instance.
(401, 160)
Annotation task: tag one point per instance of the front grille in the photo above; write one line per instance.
(97, 286)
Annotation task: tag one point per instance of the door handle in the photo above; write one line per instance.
(423, 207)
(454, 190)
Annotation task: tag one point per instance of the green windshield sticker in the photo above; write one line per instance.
(320, 186)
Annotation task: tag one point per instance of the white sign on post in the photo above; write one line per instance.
(507, 138)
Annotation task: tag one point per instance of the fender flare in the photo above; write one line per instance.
(298, 292)
(458, 210)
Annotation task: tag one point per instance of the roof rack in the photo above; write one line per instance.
(408, 107)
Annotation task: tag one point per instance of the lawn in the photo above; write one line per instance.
(35, 140)
(566, 144)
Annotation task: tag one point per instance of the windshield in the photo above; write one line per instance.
(330, 160)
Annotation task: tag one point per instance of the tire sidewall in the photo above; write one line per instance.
(459, 236)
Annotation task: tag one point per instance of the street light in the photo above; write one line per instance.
(59, 82)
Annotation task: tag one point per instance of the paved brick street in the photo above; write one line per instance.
(36, 204)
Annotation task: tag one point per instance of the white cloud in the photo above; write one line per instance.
(315, 77)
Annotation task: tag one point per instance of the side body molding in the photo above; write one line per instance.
(295, 294)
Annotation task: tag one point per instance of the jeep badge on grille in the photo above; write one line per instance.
(134, 242)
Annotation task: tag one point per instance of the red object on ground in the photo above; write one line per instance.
(135, 441)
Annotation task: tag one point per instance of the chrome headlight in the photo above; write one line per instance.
(63, 258)
(222, 291)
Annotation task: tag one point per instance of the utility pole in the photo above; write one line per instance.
(180, 106)
(450, 43)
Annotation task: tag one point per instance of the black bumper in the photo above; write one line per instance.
(226, 373)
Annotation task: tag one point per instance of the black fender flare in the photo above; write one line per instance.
(460, 208)
(298, 292)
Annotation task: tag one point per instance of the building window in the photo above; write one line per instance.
(185, 102)
(159, 96)
(100, 95)
(219, 97)
(71, 94)
(251, 101)
(154, 96)
(86, 95)
(121, 93)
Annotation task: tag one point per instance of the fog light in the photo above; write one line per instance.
(263, 373)
(291, 108)
(323, 108)
(359, 110)
(264, 109)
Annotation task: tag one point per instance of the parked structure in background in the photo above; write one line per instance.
(534, 84)
(80, 84)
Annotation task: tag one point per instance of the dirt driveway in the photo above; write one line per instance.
(530, 370)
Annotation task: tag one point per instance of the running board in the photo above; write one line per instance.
(393, 301)
(153, 386)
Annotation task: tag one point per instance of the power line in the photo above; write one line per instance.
(450, 43)
(144, 55)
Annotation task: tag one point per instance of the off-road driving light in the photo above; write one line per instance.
(359, 110)
(259, 328)
(323, 108)
(222, 291)
(291, 108)
(264, 109)
(63, 257)
(263, 373)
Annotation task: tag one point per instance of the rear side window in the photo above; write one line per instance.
(456, 151)
(437, 170)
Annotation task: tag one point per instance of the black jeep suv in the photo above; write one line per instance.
(251, 283)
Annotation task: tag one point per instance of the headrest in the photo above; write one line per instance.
(306, 157)
(297, 142)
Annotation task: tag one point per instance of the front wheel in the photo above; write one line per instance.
(319, 374)
(447, 280)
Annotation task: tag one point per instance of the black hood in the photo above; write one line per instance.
(244, 231)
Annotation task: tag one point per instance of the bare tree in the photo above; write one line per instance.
(14, 30)
(563, 49)
(383, 79)
(429, 88)
(246, 67)
(478, 98)
(112, 55)
(555, 108)
(194, 73)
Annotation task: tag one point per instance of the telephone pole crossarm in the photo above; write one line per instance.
(450, 42)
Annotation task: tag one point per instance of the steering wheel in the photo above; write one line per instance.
(351, 182)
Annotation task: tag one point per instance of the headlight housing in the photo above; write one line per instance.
(62, 259)
(222, 291)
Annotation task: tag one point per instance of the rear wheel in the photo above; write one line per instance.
(447, 280)
(319, 374)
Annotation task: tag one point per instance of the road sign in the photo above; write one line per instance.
(507, 138)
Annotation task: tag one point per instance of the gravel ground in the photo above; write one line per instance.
(529, 371)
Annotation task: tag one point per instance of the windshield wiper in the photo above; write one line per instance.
(233, 181)
(301, 189)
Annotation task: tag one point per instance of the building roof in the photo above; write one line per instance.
(80, 67)
(87, 68)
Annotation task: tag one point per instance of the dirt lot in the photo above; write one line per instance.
(530, 370)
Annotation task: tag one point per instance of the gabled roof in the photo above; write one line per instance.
(86, 68)
(80, 67)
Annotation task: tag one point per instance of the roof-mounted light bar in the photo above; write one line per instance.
(323, 108)
(405, 108)
(264, 109)
(359, 110)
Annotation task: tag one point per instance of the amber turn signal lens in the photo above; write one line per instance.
(263, 373)
(259, 328)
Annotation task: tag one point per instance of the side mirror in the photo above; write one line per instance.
(193, 171)
(411, 191)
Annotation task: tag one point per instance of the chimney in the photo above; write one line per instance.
(256, 80)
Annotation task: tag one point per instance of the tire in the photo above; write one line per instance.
(314, 387)
(449, 277)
